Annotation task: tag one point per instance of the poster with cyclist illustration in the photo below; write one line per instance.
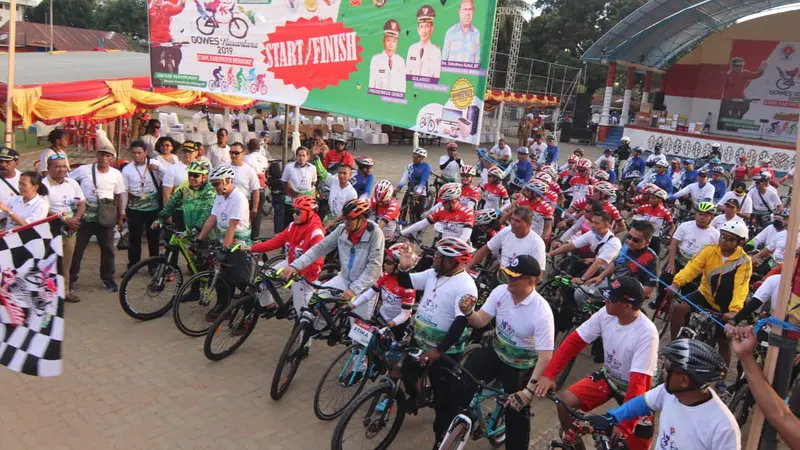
(416, 64)
(762, 82)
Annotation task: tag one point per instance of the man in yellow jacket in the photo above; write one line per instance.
(726, 271)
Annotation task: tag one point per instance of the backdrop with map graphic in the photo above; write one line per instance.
(416, 64)
(762, 82)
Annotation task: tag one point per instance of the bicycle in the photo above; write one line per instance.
(241, 316)
(428, 122)
(335, 331)
(408, 207)
(237, 27)
(218, 83)
(157, 279)
(582, 314)
(602, 437)
(702, 326)
(386, 403)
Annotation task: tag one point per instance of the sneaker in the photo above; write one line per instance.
(72, 298)
(110, 285)
(212, 314)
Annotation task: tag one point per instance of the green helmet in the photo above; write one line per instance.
(200, 166)
(705, 207)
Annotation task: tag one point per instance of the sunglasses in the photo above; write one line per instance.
(57, 156)
(727, 238)
(297, 212)
(235, 153)
(197, 175)
(635, 240)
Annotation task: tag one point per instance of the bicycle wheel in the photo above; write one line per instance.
(231, 328)
(454, 438)
(206, 26)
(293, 353)
(195, 298)
(156, 291)
(496, 434)
(740, 404)
(372, 413)
(238, 28)
(341, 383)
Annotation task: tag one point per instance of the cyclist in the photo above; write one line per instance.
(395, 301)
(450, 217)
(764, 167)
(687, 241)
(716, 151)
(487, 223)
(606, 156)
(513, 241)
(194, 197)
(740, 171)
(675, 172)
(439, 326)
(416, 175)
(655, 157)
(765, 199)
(713, 162)
(340, 191)
(636, 164)
(580, 182)
(450, 164)
(739, 194)
(384, 208)
(689, 173)
(720, 186)
(568, 169)
(493, 193)
(549, 157)
(699, 191)
(230, 217)
(730, 212)
(521, 347)
(775, 246)
(360, 244)
(607, 167)
(304, 232)
(692, 415)
(363, 179)
(470, 194)
(581, 226)
(657, 214)
(659, 177)
(519, 172)
(623, 152)
(726, 271)
(630, 340)
(239, 79)
(533, 197)
(339, 155)
(217, 74)
(603, 192)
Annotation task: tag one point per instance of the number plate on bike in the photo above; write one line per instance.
(360, 332)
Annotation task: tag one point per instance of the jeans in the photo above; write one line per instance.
(485, 365)
(277, 213)
(105, 239)
(139, 222)
(255, 224)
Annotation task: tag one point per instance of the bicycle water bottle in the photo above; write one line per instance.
(395, 358)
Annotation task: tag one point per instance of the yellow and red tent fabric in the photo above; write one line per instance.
(493, 98)
(101, 101)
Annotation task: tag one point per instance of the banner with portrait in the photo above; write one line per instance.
(416, 64)
(761, 96)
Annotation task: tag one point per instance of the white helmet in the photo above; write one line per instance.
(606, 188)
(486, 216)
(601, 175)
(421, 152)
(221, 172)
(383, 191)
(662, 163)
(716, 145)
(626, 139)
(450, 191)
(736, 228)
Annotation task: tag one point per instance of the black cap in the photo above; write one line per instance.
(733, 202)
(523, 266)
(624, 289)
(703, 172)
(8, 154)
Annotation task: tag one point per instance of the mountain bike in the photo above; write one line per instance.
(158, 280)
(238, 320)
(602, 437)
(237, 27)
(337, 325)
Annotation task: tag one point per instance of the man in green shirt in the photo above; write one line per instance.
(195, 196)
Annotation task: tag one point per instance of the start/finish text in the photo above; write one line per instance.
(335, 48)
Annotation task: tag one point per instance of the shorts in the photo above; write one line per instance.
(592, 391)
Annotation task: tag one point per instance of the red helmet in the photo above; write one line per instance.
(454, 248)
(393, 252)
(467, 170)
(450, 191)
(573, 159)
(452, 145)
(537, 186)
(365, 161)
(544, 177)
(496, 172)
(305, 203)
(355, 208)
(550, 170)
(585, 164)
(383, 191)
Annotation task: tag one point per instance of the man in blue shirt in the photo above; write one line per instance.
(520, 171)
(636, 163)
(689, 173)
(662, 179)
(720, 186)
(551, 153)
(416, 176)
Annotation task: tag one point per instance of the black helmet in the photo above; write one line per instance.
(697, 359)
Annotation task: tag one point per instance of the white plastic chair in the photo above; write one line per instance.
(243, 125)
(247, 135)
(218, 121)
(340, 120)
(258, 124)
(177, 135)
(235, 137)
(209, 139)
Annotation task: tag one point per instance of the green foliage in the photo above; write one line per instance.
(69, 13)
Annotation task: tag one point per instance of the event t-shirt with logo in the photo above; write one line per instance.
(777, 245)
(707, 426)
(494, 195)
(338, 196)
(64, 198)
(219, 155)
(175, 175)
(390, 213)
(693, 238)
(745, 202)
(508, 246)
(109, 184)
(142, 192)
(770, 202)
(301, 180)
(438, 308)
(234, 207)
(606, 247)
(246, 180)
(522, 329)
(452, 223)
(628, 348)
(31, 211)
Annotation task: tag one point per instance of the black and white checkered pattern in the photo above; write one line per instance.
(32, 347)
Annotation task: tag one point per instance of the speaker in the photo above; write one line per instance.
(566, 131)
(583, 109)
(658, 102)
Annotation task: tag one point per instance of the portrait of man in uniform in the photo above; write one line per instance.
(387, 69)
(424, 58)
(462, 42)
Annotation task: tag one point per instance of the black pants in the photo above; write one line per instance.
(655, 244)
(762, 269)
(255, 224)
(485, 365)
(105, 238)
(419, 207)
(666, 280)
(447, 392)
(288, 216)
(139, 223)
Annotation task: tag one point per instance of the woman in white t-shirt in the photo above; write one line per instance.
(30, 205)
(340, 191)
(165, 146)
(152, 133)
(176, 174)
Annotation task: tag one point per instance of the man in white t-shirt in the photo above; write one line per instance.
(246, 182)
(739, 194)
(699, 191)
(765, 198)
(260, 164)
(176, 173)
(340, 191)
(58, 145)
(731, 212)
(68, 201)
(9, 178)
(601, 241)
(98, 181)
(501, 152)
(141, 202)
(775, 246)
(766, 294)
(299, 178)
(630, 341)
(692, 415)
(450, 164)
(522, 344)
(513, 241)
(220, 152)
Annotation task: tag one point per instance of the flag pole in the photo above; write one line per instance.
(12, 43)
(784, 297)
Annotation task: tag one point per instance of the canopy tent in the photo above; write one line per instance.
(99, 87)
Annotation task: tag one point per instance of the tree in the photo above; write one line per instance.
(128, 17)
(69, 13)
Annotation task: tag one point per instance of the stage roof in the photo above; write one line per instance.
(43, 68)
(661, 31)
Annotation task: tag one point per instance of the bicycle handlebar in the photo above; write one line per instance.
(577, 415)
(458, 369)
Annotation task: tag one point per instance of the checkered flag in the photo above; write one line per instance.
(32, 298)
